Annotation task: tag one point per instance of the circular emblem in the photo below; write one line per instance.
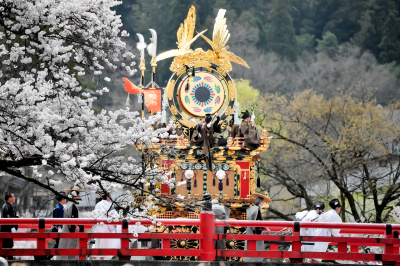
(199, 89)
(201, 94)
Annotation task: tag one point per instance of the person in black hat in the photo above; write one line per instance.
(331, 216)
(308, 216)
(319, 207)
(70, 211)
(204, 136)
(58, 212)
(244, 130)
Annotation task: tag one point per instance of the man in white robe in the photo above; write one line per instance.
(104, 209)
(308, 216)
(331, 216)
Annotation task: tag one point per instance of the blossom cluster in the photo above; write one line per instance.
(47, 48)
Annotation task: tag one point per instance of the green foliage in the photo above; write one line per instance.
(306, 42)
(245, 92)
(248, 97)
(380, 31)
(328, 45)
(281, 38)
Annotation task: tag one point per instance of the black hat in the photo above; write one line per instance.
(208, 118)
(319, 205)
(245, 114)
(102, 194)
(334, 203)
(59, 198)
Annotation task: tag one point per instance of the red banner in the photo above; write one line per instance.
(152, 99)
(244, 179)
(130, 87)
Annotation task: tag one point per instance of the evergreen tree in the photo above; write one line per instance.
(380, 32)
(328, 44)
(281, 38)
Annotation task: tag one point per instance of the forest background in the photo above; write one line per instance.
(290, 45)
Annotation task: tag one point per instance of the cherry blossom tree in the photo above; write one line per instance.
(47, 48)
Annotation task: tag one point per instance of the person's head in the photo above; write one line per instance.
(335, 204)
(105, 196)
(319, 207)
(61, 199)
(259, 202)
(261, 199)
(208, 118)
(246, 116)
(9, 197)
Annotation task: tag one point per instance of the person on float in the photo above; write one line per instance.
(233, 126)
(308, 216)
(244, 130)
(70, 211)
(254, 213)
(103, 209)
(331, 216)
(204, 136)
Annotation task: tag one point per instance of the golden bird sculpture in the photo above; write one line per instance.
(185, 37)
(220, 38)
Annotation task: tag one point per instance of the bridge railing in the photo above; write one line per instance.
(348, 247)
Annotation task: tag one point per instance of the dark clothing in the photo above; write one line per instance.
(8, 212)
(204, 136)
(244, 133)
(234, 131)
(220, 214)
(254, 213)
(58, 212)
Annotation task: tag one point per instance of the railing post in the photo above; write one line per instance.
(207, 243)
(125, 241)
(388, 248)
(83, 244)
(296, 245)
(41, 242)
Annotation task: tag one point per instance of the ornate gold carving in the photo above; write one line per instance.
(200, 55)
(231, 88)
(187, 123)
(202, 64)
(153, 62)
(170, 89)
(173, 109)
(252, 178)
(181, 71)
(142, 65)
(228, 110)
(223, 124)
(221, 71)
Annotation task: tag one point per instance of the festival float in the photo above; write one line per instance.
(200, 85)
